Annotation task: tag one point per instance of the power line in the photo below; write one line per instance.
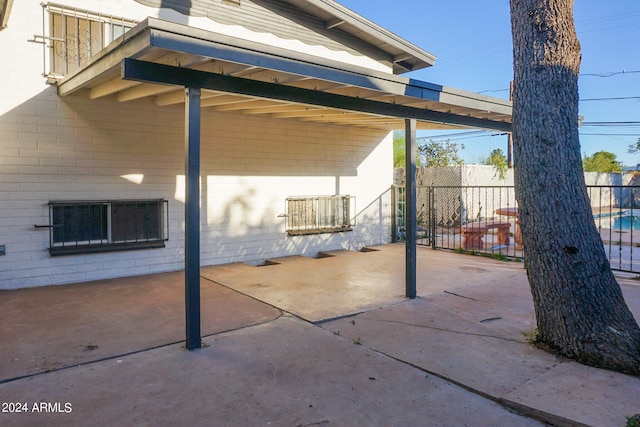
(609, 74)
(610, 123)
(459, 136)
(495, 90)
(462, 138)
(453, 135)
(602, 75)
(613, 17)
(610, 134)
(610, 99)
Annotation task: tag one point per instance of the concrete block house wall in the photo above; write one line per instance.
(76, 148)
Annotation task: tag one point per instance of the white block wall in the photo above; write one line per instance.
(73, 148)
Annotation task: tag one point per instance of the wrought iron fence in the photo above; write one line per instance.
(484, 219)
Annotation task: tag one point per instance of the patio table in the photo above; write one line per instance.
(517, 234)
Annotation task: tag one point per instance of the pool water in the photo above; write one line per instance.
(627, 222)
(618, 219)
(627, 219)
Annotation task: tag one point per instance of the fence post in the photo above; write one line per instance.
(410, 210)
(394, 210)
(432, 216)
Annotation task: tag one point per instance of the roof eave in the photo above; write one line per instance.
(406, 56)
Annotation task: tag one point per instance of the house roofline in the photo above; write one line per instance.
(406, 56)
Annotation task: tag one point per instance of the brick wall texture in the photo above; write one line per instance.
(75, 148)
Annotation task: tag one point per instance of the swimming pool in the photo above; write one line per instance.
(628, 222)
(619, 220)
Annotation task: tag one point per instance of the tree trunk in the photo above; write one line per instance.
(579, 306)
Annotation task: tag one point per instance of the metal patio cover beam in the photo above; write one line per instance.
(150, 72)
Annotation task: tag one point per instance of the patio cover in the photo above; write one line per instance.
(179, 64)
(389, 98)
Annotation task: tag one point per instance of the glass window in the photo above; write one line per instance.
(81, 224)
(118, 30)
(135, 221)
(97, 226)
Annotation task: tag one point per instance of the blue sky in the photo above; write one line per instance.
(472, 41)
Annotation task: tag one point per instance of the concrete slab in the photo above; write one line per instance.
(475, 337)
(631, 291)
(283, 373)
(320, 288)
(585, 395)
(350, 282)
(439, 341)
(112, 349)
(48, 328)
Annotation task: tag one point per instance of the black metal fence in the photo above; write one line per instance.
(483, 219)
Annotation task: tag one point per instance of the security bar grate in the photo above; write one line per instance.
(77, 227)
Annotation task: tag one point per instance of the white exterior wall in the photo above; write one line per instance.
(485, 175)
(74, 148)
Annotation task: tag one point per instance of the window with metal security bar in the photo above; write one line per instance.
(318, 214)
(78, 227)
(72, 36)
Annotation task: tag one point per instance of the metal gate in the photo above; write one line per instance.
(483, 220)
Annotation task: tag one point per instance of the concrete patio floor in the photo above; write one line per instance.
(301, 342)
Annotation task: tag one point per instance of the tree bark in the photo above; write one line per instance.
(579, 306)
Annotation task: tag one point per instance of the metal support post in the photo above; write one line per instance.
(192, 218)
(410, 210)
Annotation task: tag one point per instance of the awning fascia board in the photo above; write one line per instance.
(457, 97)
(149, 72)
(275, 59)
(156, 33)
